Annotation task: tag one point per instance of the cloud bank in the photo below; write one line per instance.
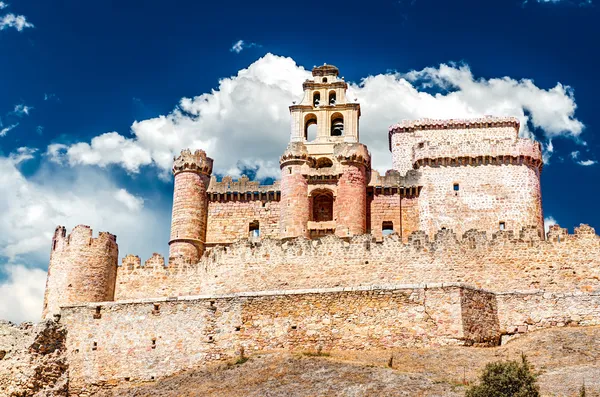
(244, 123)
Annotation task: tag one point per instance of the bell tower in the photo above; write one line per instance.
(324, 170)
(325, 107)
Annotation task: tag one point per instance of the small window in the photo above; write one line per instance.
(254, 229)
(154, 343)
(387, 228)
(324, 79)
(456, 187)
(421, 145)
(332, 98)
(97, 314)
(316, 99)
(95, 346)
(502, 225)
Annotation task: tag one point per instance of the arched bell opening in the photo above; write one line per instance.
(316, 98)
(310, 127)
(337, 124)
(332, 98)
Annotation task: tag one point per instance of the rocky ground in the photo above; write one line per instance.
(563, 357)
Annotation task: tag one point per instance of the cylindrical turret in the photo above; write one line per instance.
(190, 205)
(351, 201)
(294, 204)
(82, 269)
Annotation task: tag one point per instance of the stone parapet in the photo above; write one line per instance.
(195, 162)
(489, 151)
(426, 124)
(242, 185)
(501, 262)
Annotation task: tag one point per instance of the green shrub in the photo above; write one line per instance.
(506, 379)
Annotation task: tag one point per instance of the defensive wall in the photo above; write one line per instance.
(505, 262)
(144, 340)
(82, 268)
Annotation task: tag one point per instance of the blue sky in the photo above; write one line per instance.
(95, 98)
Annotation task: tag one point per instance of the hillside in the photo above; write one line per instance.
(564, 358)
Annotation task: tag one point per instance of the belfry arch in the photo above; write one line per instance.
(337, 124)
(310, 132)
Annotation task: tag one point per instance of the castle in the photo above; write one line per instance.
(448, 247)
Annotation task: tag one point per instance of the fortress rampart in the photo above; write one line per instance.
(562, 263)
(136, 337)
(81, 269)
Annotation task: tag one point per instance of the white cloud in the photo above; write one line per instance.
(132, 202)
(241, 45)
(6, 130)
(549, 221)
(18, 22)
(3, 5)
(22, 110)
(245, 122)
(587, 163)
(22, 293)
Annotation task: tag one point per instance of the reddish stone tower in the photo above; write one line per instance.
(82, 269)
(351, 202)
(190, 205)
(294, 205)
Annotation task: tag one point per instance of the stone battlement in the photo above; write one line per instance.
(563, 262)
(497, 151)
(242, 185)
(81, 235)
(454, 124)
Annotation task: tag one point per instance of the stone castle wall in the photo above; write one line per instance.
(563, 263)
(487, 195)
(148, 339)
(145, 340)
(81, 269)
(230, 220)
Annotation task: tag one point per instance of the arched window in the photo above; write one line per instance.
(337, 124)
(332, 98)
(324, 79)
(310, 127)
(322, 206)
(316, 99)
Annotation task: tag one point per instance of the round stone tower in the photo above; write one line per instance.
(294, 206)
(82, 269)
(190, 205)
(351, 202)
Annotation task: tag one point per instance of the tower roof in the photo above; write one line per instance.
(325, 70)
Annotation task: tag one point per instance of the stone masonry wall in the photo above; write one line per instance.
(148, 339)
(486, 196)
(229, 220)
(402, 212)
(503, 263)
